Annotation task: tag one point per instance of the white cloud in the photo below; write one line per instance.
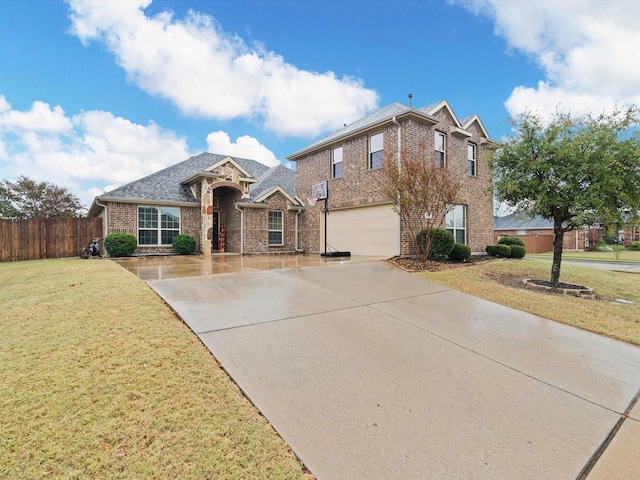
(40, 118)
(94, 148)
(586, 50)
(244, 147)
(207, 72)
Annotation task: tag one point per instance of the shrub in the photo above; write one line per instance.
(441, 243)
(120, 244)
(503, 251)
(491, 250)
(511, 241)
(634, 246)
(517, 251)
(460, 252)
(184, 244)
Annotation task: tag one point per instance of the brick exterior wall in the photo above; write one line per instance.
(123, 218)
(360, 186)
(256, 227)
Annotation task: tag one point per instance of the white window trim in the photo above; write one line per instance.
(371, 152)
(474, 160)
(444, 148)
(334, 163)
(280, 230)
(159, 228)
(452, 209)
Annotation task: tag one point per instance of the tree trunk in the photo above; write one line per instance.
(558, 238)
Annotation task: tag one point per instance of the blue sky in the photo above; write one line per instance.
(97, 94)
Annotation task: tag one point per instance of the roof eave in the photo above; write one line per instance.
(146, 201)
(424, 117)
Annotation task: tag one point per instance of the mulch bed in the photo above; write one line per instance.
(415, 265)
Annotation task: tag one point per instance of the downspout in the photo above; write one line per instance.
(241, 228)
(397, 124)
(295, 247)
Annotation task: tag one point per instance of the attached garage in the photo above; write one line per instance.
(372, 230)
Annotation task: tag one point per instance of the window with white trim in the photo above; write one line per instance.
(158, 225)
(376, 144)
(336, 163)
(456, 223)
(471, 159)
(441, 144)
(275, 228)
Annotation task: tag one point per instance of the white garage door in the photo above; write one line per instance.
(363, 231)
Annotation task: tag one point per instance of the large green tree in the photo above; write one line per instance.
(573, 170)
(27, 198)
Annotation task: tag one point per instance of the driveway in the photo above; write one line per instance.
(369, 372)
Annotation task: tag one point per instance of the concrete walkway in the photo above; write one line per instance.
(369, 372)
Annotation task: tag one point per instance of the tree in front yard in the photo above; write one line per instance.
(423, 192)
(573, 170)
(26, 198)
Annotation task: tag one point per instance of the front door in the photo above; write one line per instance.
(216, 230)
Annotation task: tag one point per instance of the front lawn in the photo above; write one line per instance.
(98, 379)
(500, 281)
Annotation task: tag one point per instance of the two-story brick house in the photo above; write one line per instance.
(231, 205)
(361, 218)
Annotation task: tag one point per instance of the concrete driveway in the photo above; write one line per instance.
(369, 372)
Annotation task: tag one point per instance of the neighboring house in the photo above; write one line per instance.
(227, 204)
(526, 227)
(361, 218)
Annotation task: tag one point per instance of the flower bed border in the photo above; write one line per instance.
(574, 290)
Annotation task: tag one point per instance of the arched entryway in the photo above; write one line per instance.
(222, 224)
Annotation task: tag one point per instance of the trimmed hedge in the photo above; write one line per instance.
(460, 252)
(634, 246)
(517, 251)
(503, 251)
(120, 244)
(511, 241)
(184, 244)
(441, 243)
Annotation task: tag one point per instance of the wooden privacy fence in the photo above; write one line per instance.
(534, 243)
(34, 238)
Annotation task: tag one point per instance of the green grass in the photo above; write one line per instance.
(626, 256)
(495, 280)
(98, 379)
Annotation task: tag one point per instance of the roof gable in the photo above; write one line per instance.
(468, 123)
(230, 163)
(279, 176)
(443, 108)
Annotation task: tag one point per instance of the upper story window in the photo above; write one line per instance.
(336, 163)
(158, 225)
(275, 228)
(471, 159)
(376, 143)
(441, 145)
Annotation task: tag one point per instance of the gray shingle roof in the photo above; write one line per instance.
(380, 115)
(166, 186)
(278, 176)
(521, 221)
